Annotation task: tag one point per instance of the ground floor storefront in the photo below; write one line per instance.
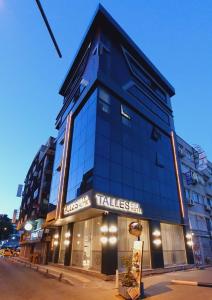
(102, 242)
(202, 247)
(34, 247)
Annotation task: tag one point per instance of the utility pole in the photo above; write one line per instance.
(48, 27)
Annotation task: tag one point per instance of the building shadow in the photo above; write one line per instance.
(157, 289)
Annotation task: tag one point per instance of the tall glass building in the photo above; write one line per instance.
(116, 160)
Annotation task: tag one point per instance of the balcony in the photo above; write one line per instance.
(208, 190)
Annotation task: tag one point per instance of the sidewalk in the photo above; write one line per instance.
(157, 286)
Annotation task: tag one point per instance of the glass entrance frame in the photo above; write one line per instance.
(86, 244)
(126, 241)
(62, 245)
(173, 244)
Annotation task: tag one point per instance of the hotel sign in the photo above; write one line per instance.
(77, 205)
(119, 204)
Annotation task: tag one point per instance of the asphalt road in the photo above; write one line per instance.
(20, 283)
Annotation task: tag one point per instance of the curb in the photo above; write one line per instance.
(45, 271)
(192, 283)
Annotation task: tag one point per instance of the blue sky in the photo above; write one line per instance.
(175, 35)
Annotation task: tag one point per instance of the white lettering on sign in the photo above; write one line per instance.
(77, 205)
(118, 204)
(36, 234)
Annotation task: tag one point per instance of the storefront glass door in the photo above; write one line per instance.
(173, 244)
(86, 247)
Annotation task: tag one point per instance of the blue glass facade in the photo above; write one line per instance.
(57, 166)
(82, 150)
(131, 164)
(120, 145)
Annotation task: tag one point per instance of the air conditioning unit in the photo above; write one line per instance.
(181, 152)
(194, 178)
(190, 202)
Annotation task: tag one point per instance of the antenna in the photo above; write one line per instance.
(48, 27)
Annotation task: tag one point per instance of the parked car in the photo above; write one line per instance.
(16, 252)
(6, 252)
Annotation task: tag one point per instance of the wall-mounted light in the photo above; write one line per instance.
(104, 240)
(189, 239)
(188, 236)
(56, 236)
(104, 228)
(66, 242)
(157, 242)
(78, 235)
(113, 240)
(56, 243)
(156, 233)
(27, 227)
(190, 243)
(113, 229)
(67, 234)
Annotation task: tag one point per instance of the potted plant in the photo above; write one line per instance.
(128, 280)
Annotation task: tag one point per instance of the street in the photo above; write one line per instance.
(18, 282)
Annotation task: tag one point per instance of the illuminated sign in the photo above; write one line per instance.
(36, 235)
(112, 203)
(77, 205)
(200, 158)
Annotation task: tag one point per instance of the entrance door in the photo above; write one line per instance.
(87, 251)
(86, 245)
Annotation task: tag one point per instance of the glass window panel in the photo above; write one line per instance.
(126, 240)
(173, 244)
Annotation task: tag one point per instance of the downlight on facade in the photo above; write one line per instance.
(28, 226)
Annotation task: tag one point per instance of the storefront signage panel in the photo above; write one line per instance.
(112, 203)
(36, 235)
(77, 205)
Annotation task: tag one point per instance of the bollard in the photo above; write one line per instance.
(117, 279)
(60, 276)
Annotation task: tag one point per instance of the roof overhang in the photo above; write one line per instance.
(102, 19)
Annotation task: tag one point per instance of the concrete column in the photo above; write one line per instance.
(109, 251)
(189, 249)
(67, 259)
(157, 260)
(56, 250)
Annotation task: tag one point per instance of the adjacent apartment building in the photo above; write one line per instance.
(197, 180)
(35, 199)
(116, 159)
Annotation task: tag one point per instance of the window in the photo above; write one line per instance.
(210, 170)
(155, 134)
(184, 168)
(159, 160)
(125, 112)
(201, 199)
(125, 115)
(189, 155)
(35, 194)
(187, 193)
(143, 77)
(82, 150)
(104, 101)
(195, 197)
